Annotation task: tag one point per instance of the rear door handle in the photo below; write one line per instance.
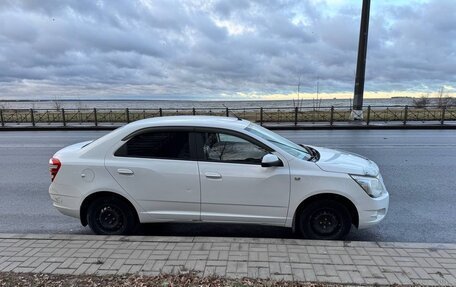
(125, 171)
(213, 175)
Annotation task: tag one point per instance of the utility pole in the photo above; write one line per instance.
(357, 112)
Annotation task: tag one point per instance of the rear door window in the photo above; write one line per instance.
(158, 144)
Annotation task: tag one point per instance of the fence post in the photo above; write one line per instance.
(32, 117)
(160, 112)
(405, 114)
(193, 111)
(63, 117)
(95, 119)
(127, 115)
(227, 112)
(442, 120)
(261, 116)
(1, 118)
(296, 116)
(331, 118)
(368, 115)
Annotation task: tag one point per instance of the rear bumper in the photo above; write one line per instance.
(67, 211)
(373, 212)
(66, 204)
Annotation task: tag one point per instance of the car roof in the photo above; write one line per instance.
(192, 121)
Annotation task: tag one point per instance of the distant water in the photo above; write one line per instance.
(182, 104)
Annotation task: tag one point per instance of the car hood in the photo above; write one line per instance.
(333, 160)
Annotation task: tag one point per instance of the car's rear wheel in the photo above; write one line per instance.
(111, 216)
(325, 219)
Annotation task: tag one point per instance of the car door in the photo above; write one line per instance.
(234, 185)
(157, 168)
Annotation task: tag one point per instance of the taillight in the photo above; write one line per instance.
(54, 166)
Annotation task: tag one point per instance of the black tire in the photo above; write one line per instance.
(324, 219)
(111, 216)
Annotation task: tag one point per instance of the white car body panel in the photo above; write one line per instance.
(177, 190)
(78, 179)
(167, 190)
(314, 182)
(245, 193)
(345, 162)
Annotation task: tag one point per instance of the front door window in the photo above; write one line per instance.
(224, 147)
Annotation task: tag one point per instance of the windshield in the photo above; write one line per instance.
(287, 145)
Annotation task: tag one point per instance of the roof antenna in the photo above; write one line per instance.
(229, 111)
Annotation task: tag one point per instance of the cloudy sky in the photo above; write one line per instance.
(232, 49)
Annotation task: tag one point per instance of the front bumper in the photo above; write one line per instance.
(373, 212)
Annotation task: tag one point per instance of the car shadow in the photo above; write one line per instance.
(215, 230)
(237, 230)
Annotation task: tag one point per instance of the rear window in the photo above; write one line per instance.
(159, 144)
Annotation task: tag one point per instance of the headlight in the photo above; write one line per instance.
(371, 185)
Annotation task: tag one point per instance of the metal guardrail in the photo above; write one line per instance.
(261, 115)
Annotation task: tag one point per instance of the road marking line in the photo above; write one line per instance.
(390, 146)
(31, 146)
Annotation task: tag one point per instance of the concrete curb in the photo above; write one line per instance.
(175, 239)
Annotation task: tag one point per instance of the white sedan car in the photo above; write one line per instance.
(214, 169)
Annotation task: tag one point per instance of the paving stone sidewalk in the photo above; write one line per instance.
(287, 259)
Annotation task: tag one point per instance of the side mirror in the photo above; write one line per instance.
(271, 160)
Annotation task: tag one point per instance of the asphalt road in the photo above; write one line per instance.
(418, 166)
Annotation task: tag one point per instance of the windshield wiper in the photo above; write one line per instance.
(314, 154)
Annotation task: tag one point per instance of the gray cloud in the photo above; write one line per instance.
(169, 49)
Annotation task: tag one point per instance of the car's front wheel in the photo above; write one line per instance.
(325, 219)
(111, 216)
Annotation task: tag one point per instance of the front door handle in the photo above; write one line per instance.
(213, 175)
(125, 171)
